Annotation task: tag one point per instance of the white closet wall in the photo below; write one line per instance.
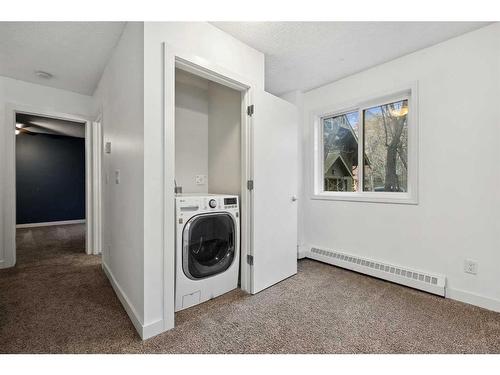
(207, 135)
(224, 140)
(191, 131)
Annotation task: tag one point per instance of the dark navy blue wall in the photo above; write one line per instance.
(50, 178)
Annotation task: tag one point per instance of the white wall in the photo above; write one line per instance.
(120, 97)
(36, 98)
(191, 131)
(224, 140)
(207, 135)
(211, 45)
(457, 214)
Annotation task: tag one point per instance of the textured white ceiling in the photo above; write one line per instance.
(75, 53)
(305, 55)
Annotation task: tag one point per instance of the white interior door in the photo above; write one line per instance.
(275, 168)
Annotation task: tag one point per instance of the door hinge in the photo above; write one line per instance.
(250, 259)
(250, 110)
(250, 184)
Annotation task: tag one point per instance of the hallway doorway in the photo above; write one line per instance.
(51, 184)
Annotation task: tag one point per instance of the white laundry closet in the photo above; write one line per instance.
(208, 184)
(226, 136)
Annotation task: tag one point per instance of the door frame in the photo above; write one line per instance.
(9, 194)
(174, 57)
(97, 178)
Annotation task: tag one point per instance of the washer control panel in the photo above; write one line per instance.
(196, 203)
(230, 202)
(221, 202)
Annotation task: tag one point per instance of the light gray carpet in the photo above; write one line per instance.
(57, 300)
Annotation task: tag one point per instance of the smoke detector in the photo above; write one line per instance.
(42, 74)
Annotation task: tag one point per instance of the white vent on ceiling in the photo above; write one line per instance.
(401, 275)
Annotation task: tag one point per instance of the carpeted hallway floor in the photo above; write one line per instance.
(58, 300)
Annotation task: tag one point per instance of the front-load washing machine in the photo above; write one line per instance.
(207, 247)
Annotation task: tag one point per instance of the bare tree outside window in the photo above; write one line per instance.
(386, 147)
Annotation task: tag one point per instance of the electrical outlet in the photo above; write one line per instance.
(200, 179)
(470, 267)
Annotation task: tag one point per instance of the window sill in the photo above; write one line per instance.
(387, 198)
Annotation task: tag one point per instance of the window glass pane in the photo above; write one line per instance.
(340, 152)
(386, 147)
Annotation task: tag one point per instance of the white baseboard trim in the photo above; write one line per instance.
(51, 223)
(6, 264)
(152, 329)
(129, 308)
(302, 252)
(473, 299)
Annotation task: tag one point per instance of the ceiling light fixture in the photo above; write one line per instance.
(18, 132)
(42, 74)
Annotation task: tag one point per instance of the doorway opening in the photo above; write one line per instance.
(52, 183)
(211, 172)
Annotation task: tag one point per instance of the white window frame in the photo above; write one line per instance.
(409, 92)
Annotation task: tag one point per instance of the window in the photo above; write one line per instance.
(340, 152)
(381, 133)
(386, 147)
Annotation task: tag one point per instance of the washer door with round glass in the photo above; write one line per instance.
(208, 245)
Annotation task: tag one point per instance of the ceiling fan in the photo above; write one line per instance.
(20, 129)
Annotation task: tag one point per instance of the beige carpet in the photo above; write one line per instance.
(57, 300)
